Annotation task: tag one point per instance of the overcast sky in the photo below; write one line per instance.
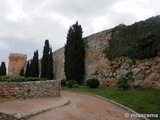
(25, 24)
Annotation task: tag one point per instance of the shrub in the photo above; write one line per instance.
(19, 79)
(33, 79)
(70, 83)
(63, 82)
(12, 78)
(93, 83)
(75, 86)
(123, 83)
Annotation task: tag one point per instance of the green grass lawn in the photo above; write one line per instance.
(141, 101)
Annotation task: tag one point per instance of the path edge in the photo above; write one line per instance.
(111, 101)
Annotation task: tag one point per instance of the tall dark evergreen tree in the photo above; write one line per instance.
(3, 69)
(50, 74)
(75, 54)
(27, 73)
(22, 72)
(44, 62)
(35, 65)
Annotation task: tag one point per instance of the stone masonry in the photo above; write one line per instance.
(12, 90)
(146, 73)
(16, 62)
(58, 58)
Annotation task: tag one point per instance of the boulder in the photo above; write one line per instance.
(154, 76)
(147, 84)
(140, 76)
(135, 71)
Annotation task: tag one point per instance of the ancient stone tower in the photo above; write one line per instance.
(16, 62)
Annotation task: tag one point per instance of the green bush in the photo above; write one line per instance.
(70, 83)
(123, 83)
(93, 83)
(19, 79)
(34, 79)
(63, 82)
(12, 78)
(75, 86)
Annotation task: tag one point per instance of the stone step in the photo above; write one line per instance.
(25, 108)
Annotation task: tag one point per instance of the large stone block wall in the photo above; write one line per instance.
(146, 73)
(58, 68)
(95, 60)
(12, 90)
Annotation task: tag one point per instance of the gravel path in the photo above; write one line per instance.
(84, 107)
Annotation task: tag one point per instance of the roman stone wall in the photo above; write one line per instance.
(146, 73)
(95, 60)
(58, 61)
(12, 90)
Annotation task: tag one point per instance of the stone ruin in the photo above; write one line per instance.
(16, 62)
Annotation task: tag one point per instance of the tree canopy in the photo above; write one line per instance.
(75, 54)
(138, 41)
(3, 69)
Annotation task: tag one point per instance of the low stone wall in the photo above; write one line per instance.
(4, 116)
(12, 90)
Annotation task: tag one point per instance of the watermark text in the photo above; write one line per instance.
(136, 115)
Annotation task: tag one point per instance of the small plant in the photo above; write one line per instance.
(75, 86)
(93, 83)
(70, 83)
(123, 82)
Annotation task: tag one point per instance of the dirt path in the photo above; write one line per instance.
(84, 107)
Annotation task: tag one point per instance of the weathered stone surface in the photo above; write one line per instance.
(135, 71)
(140, 76)
(154, 76)
(30, 89)
(16, 62)
(146, 84)
(98, 66)
(122, 72)
(58, 57)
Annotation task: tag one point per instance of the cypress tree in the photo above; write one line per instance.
(22, 72)
(50, 66)
(35, 65)
(27, 73)
(44, 62)
(3, 69)
(75, 54)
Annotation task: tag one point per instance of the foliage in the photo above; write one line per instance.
(47, 62)
(74, 54)
(137, 41)
(28, 72)
(21, 72)
(63, 82)
(75, 86)
(50, 66)
(141, 101)
(3, 69)
(19, 79)
(124, 82)
(44, 62)
(70, 83)
(93, 83)
(119, 27)
(35, 65)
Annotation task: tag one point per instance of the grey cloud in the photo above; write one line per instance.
(31, 29)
